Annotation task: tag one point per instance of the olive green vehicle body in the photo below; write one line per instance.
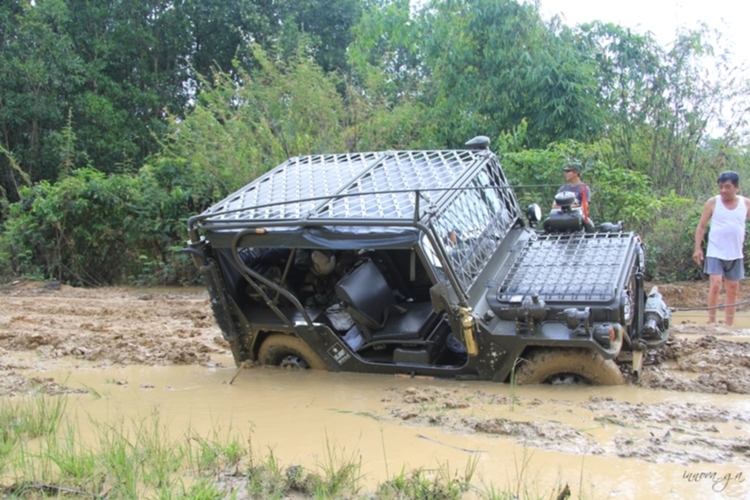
(432, 262)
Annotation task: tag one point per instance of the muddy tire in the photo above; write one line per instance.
(288, 351)
(568, 366)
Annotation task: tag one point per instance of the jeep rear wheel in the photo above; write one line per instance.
(568, 366)
(290, 352)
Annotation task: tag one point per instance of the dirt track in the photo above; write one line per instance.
(104, 326)
(125, 326)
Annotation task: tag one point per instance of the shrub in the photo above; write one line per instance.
(88, 228)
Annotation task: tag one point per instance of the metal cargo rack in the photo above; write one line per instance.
(570, 267)
(461, 197)
(355, 186)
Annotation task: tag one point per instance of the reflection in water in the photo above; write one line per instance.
(573, 434)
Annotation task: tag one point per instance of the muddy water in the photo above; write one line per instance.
(149, 350)
(741, 320)
(622, 442)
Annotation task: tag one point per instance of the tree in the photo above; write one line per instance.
(385, 53)
(330, 26)
(384, 91)
(39, 75)
(491, 63)
(664, 105)
(135, 55)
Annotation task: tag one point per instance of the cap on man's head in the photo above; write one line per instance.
(573, 165)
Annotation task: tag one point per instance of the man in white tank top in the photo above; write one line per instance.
(724, 258)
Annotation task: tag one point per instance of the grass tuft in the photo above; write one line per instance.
(139, 459)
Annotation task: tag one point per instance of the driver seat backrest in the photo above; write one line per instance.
(369, 299)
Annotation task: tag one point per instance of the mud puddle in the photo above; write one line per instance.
(681, 431)
(621, 442)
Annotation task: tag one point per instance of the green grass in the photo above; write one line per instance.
(341, 473)
(42, 456)
(514, 383)
(96, 394)
(27, 419)
(437, 484)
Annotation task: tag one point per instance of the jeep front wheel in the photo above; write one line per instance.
(561, 366)
(290, 352)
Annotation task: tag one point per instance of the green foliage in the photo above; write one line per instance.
(670, 242)
(187, 101)
(115, 71)
(329, 28)
(385, 53)
(621, 195)
(492, 63)
(405, 126)
(238, 130)
(87, 228)
(663, 105)
(617, 193)
(39, 74)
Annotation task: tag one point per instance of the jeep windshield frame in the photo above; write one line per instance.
(459, 199)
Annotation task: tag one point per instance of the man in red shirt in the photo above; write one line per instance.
(572, 171)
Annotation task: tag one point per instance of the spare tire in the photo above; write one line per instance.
(567, 366)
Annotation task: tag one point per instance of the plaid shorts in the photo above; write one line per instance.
(732, 270)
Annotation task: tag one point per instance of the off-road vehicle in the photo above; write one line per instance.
(421, 263)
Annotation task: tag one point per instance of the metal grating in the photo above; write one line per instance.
(571, 268)
(357, 185)
(476, 221)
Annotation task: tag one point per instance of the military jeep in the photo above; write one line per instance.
(421, 263)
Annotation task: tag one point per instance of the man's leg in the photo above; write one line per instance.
(715, 281)
(731, 298)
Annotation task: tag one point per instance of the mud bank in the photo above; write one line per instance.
(122, 326)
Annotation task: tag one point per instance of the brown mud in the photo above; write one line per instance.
(102, 326)
(122, 326)
(687, 409)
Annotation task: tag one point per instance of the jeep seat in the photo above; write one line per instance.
(370, 301)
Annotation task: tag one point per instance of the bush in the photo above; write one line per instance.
(670, 240)
(617, 193)
(88, 228)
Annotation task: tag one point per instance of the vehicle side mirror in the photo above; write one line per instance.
(534, 214)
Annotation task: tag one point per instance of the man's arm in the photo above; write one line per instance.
(747, 206)
(700, 230)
